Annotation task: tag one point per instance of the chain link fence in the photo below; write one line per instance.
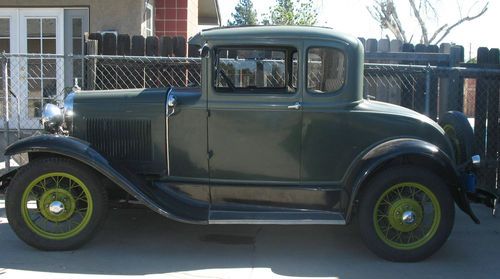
(112, 72)
(35, 80)
(28, 82)
(431, 90)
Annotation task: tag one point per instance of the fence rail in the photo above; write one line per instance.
(32, 80)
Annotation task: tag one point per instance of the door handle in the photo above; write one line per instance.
(171, 101)
(297, 106)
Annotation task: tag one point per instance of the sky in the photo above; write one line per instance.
(351, 16)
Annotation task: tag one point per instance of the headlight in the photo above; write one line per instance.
(52, 118)
(68, 111)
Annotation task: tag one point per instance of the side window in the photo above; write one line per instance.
(325, 69)
(252, 69)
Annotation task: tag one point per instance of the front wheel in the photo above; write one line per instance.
(55, 204)
(406, 214)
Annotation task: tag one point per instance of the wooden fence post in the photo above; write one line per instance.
(382, 90)
(91, 47)
(481, 104)
(138, 47)
(109, 74)
(138, 44)
(194, 51)
(433, 94)
(180, 46)
(493, 128)
(407, 86)
(452, 88)
(123, 45)
(194, 77)
(153, 67)
(125, 76)
(166, 50)
(97, 37)
(181, 68)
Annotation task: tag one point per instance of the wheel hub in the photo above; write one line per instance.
(57, 205)
(405, 214)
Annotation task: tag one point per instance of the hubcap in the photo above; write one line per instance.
(56, 207)
(408, 217)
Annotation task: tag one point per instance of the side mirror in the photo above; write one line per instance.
(204, 50)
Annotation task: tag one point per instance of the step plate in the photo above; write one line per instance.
(277, 218)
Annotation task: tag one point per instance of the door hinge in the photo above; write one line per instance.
(208, 113)
(210, 154)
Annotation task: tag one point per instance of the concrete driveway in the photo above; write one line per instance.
(138, 242)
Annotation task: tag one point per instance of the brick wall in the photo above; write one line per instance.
(173, 17)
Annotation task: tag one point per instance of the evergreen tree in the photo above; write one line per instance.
(244, 14)
(292, 12)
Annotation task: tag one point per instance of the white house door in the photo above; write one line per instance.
(9, 43)
(41, 76)
(37, 38)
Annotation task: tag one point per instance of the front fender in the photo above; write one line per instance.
(411, 151)
(82, 151)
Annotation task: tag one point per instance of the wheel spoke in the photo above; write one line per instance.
(81, 196)
(73, 185)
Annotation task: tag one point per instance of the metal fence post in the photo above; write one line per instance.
(5, 85)
(427, 90)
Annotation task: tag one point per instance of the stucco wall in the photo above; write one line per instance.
(124, 16)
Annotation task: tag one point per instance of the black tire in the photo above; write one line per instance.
(44, 228)
(460, 133)
(376, 230)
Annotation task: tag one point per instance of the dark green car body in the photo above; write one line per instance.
(203, 155)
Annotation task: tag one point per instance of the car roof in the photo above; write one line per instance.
(256, 33)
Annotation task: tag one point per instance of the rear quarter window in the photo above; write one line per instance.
(326, 70)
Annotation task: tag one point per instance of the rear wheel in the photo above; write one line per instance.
(406, 214)
(55, 204)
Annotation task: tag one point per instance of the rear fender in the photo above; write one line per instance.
(406, 151)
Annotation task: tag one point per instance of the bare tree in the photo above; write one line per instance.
(385, 12)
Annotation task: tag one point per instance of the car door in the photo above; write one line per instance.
(254, 125)
(328, 139)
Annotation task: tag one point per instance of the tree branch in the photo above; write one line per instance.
(421, 22)
(398, 22)
(462, 20)
(436, 33)
(384, 12)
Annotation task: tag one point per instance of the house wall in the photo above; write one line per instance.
(123, 16)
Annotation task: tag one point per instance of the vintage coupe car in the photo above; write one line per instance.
(278, 133)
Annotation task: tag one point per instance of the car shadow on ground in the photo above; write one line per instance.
(140, 242)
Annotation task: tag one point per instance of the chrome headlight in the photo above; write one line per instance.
(68, 110)
(52, 118)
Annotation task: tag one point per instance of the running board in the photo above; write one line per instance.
(276, 218)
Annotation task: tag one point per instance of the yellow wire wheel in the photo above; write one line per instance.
(55, 203)
(406, 213)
